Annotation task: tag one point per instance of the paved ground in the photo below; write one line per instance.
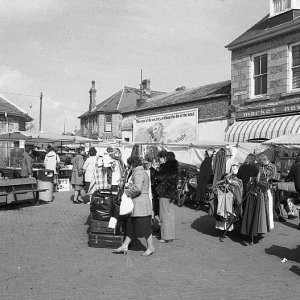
(44, 255)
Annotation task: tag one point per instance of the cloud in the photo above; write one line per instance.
(12, 80)
(24, 8)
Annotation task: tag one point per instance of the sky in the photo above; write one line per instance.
(58, 47)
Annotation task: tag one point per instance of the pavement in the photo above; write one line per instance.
(44, 255)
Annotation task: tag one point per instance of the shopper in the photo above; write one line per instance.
(77, 175)
(27, 160)
(139, 223)
(167, 179)
(88, 169)
(294, 175)
(247, 171)
(51, 162)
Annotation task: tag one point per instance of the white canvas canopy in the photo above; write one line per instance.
(287, 139)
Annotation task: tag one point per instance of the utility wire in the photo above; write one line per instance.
(67, 108)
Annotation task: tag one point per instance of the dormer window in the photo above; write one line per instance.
(281, 6)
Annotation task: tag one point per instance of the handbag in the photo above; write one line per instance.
(126, 206)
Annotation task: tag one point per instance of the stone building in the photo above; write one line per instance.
(265, 76)
(12, 117)
(211, 102)
(104, 120)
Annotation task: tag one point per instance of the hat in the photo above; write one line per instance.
(110, 149)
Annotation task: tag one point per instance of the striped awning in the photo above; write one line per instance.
(269, 128)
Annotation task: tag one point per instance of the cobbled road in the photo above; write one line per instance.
(44, 255)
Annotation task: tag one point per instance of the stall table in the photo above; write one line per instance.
(19, 190)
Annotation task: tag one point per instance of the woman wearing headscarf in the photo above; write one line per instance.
(167, 181)
(77, 175)
(139, 223)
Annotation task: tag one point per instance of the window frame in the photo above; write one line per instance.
(261, 74)
(107, 123)
(291, 89)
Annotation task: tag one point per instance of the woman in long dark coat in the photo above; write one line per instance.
(166, 189)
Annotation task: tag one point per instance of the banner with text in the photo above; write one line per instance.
(180, 127)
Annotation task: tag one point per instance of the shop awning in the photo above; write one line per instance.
(265, 129)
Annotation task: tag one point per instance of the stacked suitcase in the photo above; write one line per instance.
(103, 207)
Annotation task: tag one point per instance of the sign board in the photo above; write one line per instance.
(22, 144)
(63, 185)
(179, 127)
(269, 110)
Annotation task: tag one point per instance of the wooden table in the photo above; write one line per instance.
(19, 190)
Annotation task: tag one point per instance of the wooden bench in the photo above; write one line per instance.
(19, 190)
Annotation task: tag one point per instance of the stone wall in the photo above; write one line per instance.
(278, 69)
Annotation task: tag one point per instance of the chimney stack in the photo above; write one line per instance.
(146, 87)
(92, 97)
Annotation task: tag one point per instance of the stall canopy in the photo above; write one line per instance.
(40, 137)
(263, 129)
(14, 136)
(287, 139)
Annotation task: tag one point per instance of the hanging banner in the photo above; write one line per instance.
(180, 127)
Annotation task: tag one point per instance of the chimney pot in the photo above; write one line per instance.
(181, 88)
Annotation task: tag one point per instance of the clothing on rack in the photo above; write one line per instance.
(219, 165)
(265, 174)
(256, 214)
(203, 178)
(227, 202)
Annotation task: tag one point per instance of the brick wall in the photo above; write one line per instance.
(207, 109)
(278, 68)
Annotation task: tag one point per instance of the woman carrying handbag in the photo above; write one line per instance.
(139, 223)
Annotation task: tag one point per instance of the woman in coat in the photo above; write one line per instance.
(88, 169)
(77, 175)
(139, 223)
(167, 181)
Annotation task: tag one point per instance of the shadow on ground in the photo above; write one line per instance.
(283, 252)
(206, 225)
(287, 223)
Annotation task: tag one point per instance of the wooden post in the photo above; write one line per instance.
(40, 121)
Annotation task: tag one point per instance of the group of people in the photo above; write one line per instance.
(51, 162)
(146, 183)
(257, 207)
(164, 190)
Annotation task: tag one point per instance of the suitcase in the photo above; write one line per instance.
(105, 240)
(103, 205)
(97, 226)
(100, 215)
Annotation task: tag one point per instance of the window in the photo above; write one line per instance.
(280, 6)
(108, 123)
(296, 67)
(260, 74)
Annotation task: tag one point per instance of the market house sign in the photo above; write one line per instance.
(270, 110)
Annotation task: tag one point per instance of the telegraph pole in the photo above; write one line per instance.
(41, 101)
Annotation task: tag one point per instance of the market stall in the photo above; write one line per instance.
(286, 148)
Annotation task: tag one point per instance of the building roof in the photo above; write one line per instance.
(6, 106)
(268, 28)
(201, 93)
(115, 103)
